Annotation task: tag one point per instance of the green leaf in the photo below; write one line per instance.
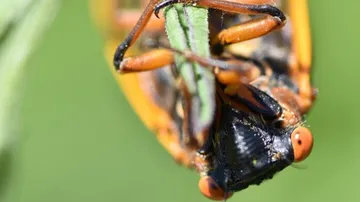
(22, 23)
(187, 29)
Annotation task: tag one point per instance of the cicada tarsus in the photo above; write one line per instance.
(261, 59)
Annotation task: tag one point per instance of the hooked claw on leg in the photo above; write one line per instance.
(119, 55)
(163, 4)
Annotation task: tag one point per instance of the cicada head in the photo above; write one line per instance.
(248, 151)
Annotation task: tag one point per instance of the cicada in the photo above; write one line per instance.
(261, 59)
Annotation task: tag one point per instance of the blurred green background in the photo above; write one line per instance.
(81, 142)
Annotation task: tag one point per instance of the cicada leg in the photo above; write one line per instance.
(248, 30)
(301, 53)
(227, 71)
(135, 33)
(151, 60)
(127, 18)
(112, 18)
(252, 29)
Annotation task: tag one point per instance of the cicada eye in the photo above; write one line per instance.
(209, 188)
(302, 142)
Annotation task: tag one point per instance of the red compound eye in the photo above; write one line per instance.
(209, 188)
(302, 142)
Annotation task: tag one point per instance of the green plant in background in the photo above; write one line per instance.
(22, 23)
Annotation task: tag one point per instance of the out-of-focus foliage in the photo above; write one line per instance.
(22, 23)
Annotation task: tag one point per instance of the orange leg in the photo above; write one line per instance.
(233, 77)
(151, 60)
(301, 60)
(127, 18)
(135, 33)
(245, 31)
(230, 71)
(250, 30)
(113, 18)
